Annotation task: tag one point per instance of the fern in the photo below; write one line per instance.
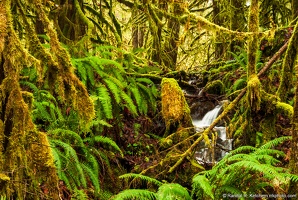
(140, 178)
(104, 140)
(76, 164)
(89, 171)
(201, 187)
(114, 89)
(70, 159)
(79, 195)
(143, 108)
(243, 170)
(172, 191)
(105, 100)
(129, 104)
(135, 194)
(166, 191)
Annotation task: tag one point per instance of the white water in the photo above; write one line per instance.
(204, 154)
(208, 118)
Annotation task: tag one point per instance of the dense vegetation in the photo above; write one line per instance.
(97, 98)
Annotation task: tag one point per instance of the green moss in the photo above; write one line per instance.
(253, 92)
(267, 128)
(175, 110)
(285, 109)
(215, 87)
(288, 66)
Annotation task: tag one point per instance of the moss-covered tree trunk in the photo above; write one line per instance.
(219, 44)
(27, 169)
(294, 9)
(171, 47)
(253, 84)
(294, 143)
(237, 23)
(288, 67)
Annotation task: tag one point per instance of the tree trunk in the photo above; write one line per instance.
(219, 45)
(294, 9)
(137, 34)
(294, 143)
(288, 66)
(237, 22)
(253, 84)
(171, 47)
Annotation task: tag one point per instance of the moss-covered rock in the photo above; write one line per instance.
(215, 87)
(175, 110)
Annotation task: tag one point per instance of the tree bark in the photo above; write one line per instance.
(294, 144)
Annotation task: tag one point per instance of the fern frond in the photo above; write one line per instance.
(67, 135)
(201, 186)
(242, 149)
(140, 177)
(145, 80)
(135, 194)
(90, 75)
(114, 89)
(57, 160)
(92, 176)
(148, 95)
(229, 189)
(104, 140)
(40, 112)
(172, 191)
(272, 152)
(129, 103)
(142, 107)
(79, 195)
(98, 122)
(239, 84)
(30, 85)
(81, 70)
(71, 160)
(105, 100)
(101, 156)
(275, 142)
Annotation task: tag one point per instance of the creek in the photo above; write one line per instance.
(222, 145)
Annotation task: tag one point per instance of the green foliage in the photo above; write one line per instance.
(135, 194)
(172, 191)
(79, 195)
(77, 160)
(138, 178)
(245, 170)
(165, 191)
(103, 140)
(111, 88)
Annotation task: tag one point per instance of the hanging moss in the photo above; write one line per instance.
(25, 158)
(175, 110)
(253, 92)
(67, 86)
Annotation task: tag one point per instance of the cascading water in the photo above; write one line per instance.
(223, 145)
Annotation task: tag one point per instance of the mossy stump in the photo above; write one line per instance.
(175, 110)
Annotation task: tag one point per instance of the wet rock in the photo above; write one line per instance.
(199, 109)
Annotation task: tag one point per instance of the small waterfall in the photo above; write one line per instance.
(223, 145)
(208, 118)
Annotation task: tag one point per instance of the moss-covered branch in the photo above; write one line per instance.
(202, 22)
(288, 66)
